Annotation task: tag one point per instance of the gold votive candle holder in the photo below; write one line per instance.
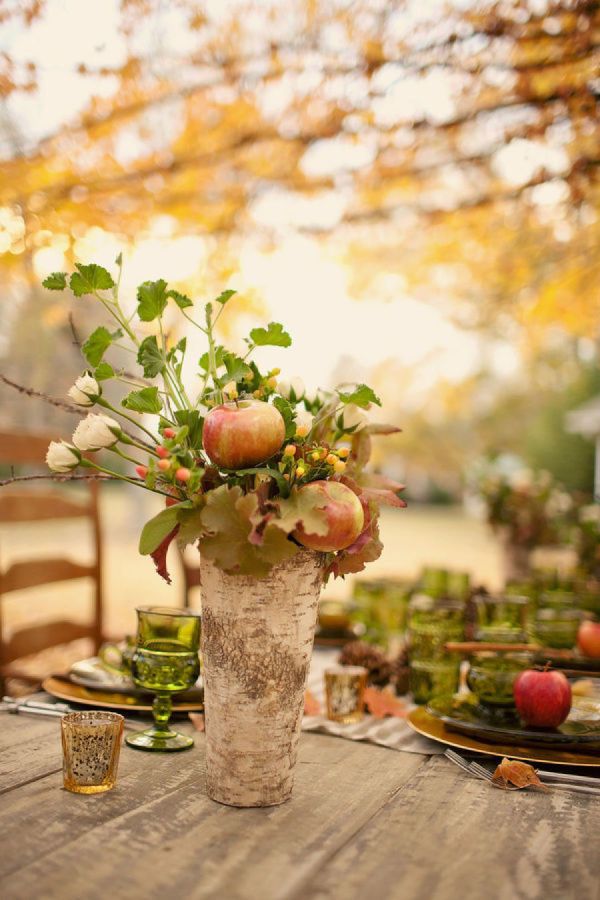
(344, 693)
(91, 743)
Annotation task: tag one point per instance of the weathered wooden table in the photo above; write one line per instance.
(365, 822)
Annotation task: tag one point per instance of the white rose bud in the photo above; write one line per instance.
(293, 390)
(95, 432)
(304, 419)
(354, 416)
(85, 391)
(62, 457)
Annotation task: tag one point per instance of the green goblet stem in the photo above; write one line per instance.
(161, 711)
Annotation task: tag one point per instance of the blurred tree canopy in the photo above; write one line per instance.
(453, 144)
(404, 118)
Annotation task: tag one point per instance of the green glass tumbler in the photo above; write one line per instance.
(165, 662)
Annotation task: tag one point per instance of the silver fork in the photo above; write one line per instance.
(467, 767)
(478, 771)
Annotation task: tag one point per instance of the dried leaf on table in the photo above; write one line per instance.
(384, 703)
(312, 707)
(519, 774)
(197, 720)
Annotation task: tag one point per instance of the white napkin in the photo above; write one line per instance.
(390, 732)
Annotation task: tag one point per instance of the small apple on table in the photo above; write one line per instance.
(588, 639)
(542, 697)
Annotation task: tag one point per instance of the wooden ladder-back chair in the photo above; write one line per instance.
(21, 503)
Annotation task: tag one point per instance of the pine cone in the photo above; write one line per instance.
(359, 653)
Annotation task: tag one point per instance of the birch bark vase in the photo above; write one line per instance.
(257, 637)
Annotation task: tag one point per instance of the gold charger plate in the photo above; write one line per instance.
(64, 689)
(424, 723)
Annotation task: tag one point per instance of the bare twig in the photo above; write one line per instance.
(55, 476)
(76, 339)
(54, 401)
(62, 404)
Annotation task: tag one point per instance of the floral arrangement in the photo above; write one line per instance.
(250, 467)
(530, 507)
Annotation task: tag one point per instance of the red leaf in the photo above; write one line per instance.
(385, 498)
(382, 703)
(160, 555)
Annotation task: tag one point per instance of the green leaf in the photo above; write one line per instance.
(288, 413)
(144, 401)
(98, 343)
(220, 353)
(152, 299)
(103, 372)
(88, 279)
(227, 517)
(156, 530)
(190, 526)
(224, 297)
(361, 396)
(305, 508)
(150, 357)
(194, 422)
(273, 335)
(182, 300)
(235, 367)
(56, 281)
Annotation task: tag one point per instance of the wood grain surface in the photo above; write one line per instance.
(363, 822)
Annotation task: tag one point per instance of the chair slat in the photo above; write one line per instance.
(36, 638)
(23, 448)
(30, 506)
(34, 573)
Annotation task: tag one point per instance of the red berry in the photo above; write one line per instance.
(164, 464)
(169, 432)
(142, 471)
(162, 452)
(182, 474)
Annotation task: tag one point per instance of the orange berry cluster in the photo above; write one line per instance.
(299, 460)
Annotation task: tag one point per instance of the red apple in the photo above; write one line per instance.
(543, 698)
(588, 639)
(237, 435)
(344, 512)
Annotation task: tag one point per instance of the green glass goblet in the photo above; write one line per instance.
(165, 662)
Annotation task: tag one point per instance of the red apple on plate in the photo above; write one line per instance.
(543, 698)
(588, 639)
(238, 435)
(344, 513)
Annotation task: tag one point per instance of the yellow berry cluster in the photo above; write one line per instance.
(267, 386)
(298, 461)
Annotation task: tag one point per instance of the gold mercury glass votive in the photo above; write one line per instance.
(91, 744)
(344, 693)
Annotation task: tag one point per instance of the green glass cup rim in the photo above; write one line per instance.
(170, 611)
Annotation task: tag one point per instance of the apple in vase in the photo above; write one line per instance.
(542, 697)
(588, 639)
(243, 434)
(344, 513)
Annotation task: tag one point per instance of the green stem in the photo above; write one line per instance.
(102, 402)
(88, 464)
(212, 359)
(120, 453)
(193, 321)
